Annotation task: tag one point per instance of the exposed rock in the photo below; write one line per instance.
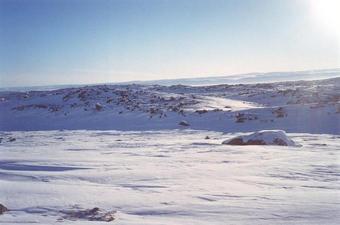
(201, 111)
(99, 107)
(11, 139)
(31, 106)
(184, 123)
(217, 110)
(94, 214)
(242, 117)
(280, 112)
(3, 209)
(207, 137)
(266, 137)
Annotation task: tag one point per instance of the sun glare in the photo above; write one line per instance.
(327, 14)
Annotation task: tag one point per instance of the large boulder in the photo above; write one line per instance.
(3, 209)
(265, 137)
(94, 214)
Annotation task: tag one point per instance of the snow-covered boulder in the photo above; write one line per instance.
(184, 123)
(98, 106)
(264, 137)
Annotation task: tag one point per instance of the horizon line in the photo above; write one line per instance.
(170, 79)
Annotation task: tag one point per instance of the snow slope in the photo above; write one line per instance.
(167, 178)
(299, 106)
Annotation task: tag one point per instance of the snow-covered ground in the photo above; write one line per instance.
(155, 155)
(168, 177)
(300, 106)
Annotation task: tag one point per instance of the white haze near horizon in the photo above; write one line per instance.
(247, 78)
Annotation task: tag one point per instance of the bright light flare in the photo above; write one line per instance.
(327, 15)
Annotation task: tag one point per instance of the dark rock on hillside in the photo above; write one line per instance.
(184, 123)
(94, 214)
(3, 209)
(99, 107)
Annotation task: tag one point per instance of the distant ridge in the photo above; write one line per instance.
(247, 78)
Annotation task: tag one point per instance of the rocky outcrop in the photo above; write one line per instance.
(94, 214)
(266, 137)
(184, 123)
(3, 209)
(98, 106)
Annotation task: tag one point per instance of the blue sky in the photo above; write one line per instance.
(79, 41)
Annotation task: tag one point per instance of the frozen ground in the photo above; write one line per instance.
(168, 177)
(296, 107)
(58, 154)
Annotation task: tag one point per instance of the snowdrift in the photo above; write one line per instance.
(265, 137)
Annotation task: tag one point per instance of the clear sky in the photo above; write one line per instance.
(78, 41)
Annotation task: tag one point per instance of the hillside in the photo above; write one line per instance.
(297, 106)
